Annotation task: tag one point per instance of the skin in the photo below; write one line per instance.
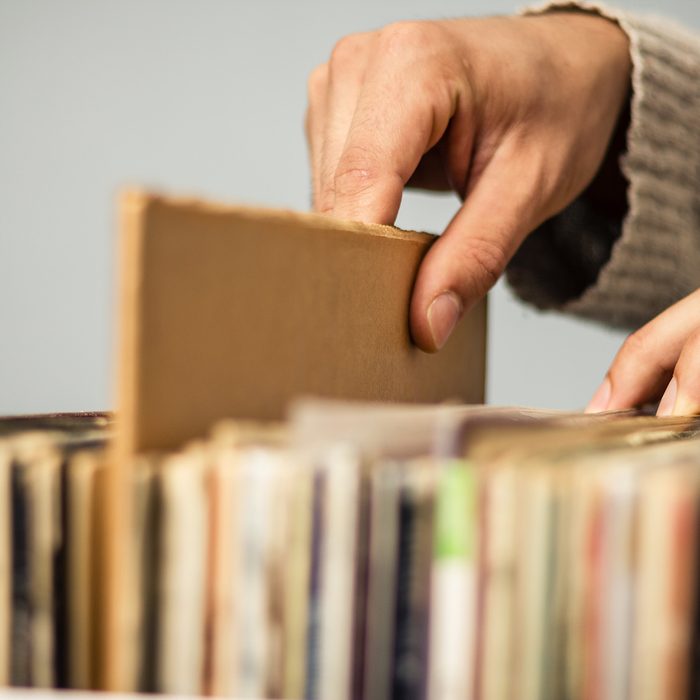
(515, 115)
(663, 354)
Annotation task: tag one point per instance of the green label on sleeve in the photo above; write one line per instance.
(456, 512)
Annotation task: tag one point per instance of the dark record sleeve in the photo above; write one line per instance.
(314, 622)
(410, 668)
(61, 584)
(362, 573)
(20, 645)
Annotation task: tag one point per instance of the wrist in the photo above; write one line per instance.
(599, 38)
(603, 38)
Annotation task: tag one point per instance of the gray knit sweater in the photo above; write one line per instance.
(623, 265)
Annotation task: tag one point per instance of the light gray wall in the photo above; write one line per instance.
(202, 97)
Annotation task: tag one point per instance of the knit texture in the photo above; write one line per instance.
(624, 269)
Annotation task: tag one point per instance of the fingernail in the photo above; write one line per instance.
(443, 314)
(601, 398)
(668, 400)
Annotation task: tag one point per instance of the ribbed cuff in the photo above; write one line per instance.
(655, 259)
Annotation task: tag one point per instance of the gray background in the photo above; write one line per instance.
(200, 97)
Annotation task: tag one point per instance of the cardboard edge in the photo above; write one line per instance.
(311, 220)
(133, 206)
(115, 576)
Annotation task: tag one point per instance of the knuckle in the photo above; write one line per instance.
(351, 181)
(635, 348)
(317, 82)
(401, 37)
(356, 172)
(487, 258)
(637, 354)
(346, 52)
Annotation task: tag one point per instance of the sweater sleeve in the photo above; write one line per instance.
(622, 268)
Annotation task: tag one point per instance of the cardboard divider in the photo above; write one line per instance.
(232, 312)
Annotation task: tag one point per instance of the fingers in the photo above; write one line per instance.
(470, 256)
(346, 73)
(314, 123)
(402, 110)
(376, 112)
(682, 397)
(665, 348)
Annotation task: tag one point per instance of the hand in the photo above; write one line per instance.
(666, 348)
(513, 114)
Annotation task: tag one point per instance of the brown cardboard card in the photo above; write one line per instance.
(232, 312)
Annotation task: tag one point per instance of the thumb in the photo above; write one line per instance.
(472, 253)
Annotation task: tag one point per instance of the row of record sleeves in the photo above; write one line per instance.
(365, 551)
